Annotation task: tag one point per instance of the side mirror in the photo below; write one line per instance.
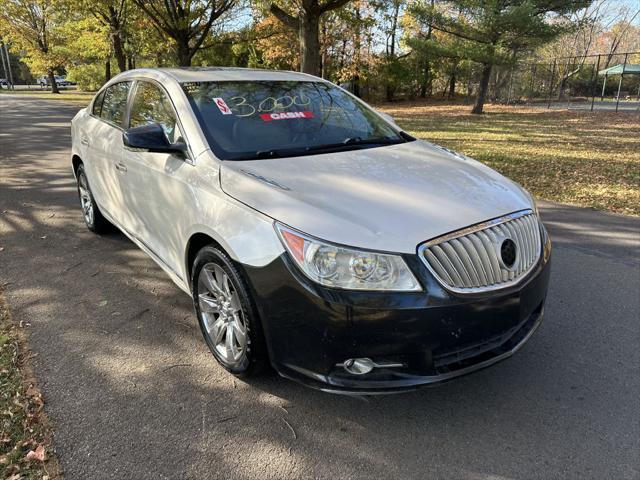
(152, 139)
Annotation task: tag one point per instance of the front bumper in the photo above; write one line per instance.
(436, 335)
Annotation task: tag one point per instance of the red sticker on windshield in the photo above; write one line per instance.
(268, 117)
(222, 106)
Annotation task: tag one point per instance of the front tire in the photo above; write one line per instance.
(227, 314)
(93, 218)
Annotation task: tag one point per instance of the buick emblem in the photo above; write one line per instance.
(508, 253)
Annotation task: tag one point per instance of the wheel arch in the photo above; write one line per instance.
(197, 242)
(248, 240)
(76, 161)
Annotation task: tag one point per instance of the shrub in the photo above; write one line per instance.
(88, 77)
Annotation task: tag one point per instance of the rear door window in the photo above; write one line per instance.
(97, 104)
(114, 104)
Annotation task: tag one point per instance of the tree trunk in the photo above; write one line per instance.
(118, 51)
(482, 90)
(390, 91)
(185, 54)
(561, 88)
(323, 54)
(426, 81)
(130, 63)
(427, 85)
(310, 43)
(107, 71)
(342, 55)
(357, 50)
(52, 82)
(452, 85)
(4, 66)
(391, 52)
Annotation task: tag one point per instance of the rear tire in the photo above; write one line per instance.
(93, 218)
(227, 315)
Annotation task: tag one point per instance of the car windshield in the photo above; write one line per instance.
(246, 120)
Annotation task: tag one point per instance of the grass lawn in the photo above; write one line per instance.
(67, 96)
(581, 158)
(25, 439)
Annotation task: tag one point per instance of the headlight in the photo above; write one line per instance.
(347, 268)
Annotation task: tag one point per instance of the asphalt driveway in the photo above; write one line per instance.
(133, 392)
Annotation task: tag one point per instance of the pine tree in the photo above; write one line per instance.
(492, 32)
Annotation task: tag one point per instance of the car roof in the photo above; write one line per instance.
(209, 74)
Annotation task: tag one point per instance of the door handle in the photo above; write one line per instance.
(84, 141)
(121, 167)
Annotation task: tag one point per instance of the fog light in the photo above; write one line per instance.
(358, 366)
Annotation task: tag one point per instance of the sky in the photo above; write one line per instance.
(632, 5)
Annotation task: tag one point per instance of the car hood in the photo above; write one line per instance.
(389, 198)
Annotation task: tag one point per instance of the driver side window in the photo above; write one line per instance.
(151, 105)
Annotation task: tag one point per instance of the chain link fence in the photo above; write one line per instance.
(593, 82)
(605, 82)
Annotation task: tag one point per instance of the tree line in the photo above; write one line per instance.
(376, 48)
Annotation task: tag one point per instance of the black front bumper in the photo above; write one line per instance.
(436, 335)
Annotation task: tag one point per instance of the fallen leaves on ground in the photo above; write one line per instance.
(37, 454)
(583, 158)
(25, 433)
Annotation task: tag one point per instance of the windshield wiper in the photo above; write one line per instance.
(356, 141)
(347, 142)
(278, 153)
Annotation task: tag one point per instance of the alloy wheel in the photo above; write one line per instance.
(222, 313)
(86, 201)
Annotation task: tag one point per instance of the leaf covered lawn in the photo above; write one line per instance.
(576, 157)
(25, 438)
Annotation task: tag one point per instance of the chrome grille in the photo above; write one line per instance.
(471, 260)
